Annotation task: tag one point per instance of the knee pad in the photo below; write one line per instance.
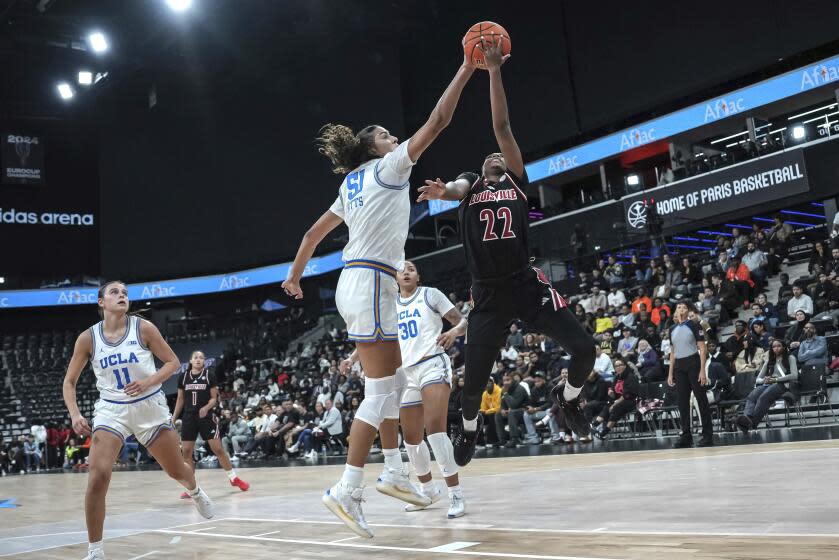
(379, 401)
(392, 406)
(443, 453)
(420, 457)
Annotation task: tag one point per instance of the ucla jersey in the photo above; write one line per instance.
(118, 364)
(420, 321)
(374, 201)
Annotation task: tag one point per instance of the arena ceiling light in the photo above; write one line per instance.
(179, 5)
(85, 78)
(798, 132)
(811, 111)
(633, 180)
(98, 42)
(65, 91)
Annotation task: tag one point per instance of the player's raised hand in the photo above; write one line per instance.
(493, 50)
(80, 426)
(292, 288)
(433, 190)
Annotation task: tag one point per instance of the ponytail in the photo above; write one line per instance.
(345, 149)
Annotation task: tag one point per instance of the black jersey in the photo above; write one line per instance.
(493, 226)
(196, 389)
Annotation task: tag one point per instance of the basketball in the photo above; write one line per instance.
(489, 31)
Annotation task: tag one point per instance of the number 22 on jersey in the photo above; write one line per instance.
(505, 216)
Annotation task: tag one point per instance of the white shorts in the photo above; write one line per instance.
(145, 418)
(435, 369)
(366, 299)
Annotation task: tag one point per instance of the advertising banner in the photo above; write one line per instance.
(22, 158)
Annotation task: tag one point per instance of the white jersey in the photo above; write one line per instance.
(374, 201)
(420, 320)
(118, 364)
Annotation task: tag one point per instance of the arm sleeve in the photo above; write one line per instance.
(181, 381)
(337, 207)
(437, 300)
(763, 369)
(793, 371)
(394, 169)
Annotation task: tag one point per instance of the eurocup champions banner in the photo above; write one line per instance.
(22, 158)
(733, 103)
(720, 192)
(172, 288)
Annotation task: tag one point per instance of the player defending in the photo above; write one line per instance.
(425, 399)
(493, 216)
(374, 201)
(197, 399)
(121, 350)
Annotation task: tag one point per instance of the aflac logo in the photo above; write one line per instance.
(234, 282)
(71, 297)
(636, 215)
(637, 137)
(818, 76)
(4, 302)
(157, 291)
(561, 163)
(722, 108)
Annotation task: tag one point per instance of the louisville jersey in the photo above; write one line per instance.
(420, 323)
(116, 364)
(493, 226)
(196, 388)
(374, 201)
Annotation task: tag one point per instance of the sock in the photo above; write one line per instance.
(393, 459)
(428, 487)
(194, 492)
(352, 476)
(470, 425)
(231, 474)
(454, 490)
(94, 546)
(570, 393)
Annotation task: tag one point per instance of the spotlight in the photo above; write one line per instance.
(633, 180)
(798, 132)
(65, 91)
(85, 78)
(98, 42)
(179, 5)
(2, 280)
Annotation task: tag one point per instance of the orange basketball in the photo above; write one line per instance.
(490, 31)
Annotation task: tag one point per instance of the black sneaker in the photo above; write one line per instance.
(744, 423)
(706, 441)
(683, 442)
(574, 417)
(464, 443)
(604, 433)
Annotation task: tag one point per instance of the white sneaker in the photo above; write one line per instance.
(204, 504)
(397, 484)
(457, 507)
(345, 503)
(293, 448)
(97, 554)
(435, 496)
(313, 455)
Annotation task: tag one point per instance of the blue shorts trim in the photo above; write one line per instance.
(110, 430)
(410, 404)
(425, 359)
(378, 333)
(157, 432)
(135, 400)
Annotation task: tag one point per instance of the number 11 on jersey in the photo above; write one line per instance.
(120, 385)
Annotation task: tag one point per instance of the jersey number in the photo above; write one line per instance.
(355, 182)
(408, 330)
(504, 214)
(120, 385)
(194, 398)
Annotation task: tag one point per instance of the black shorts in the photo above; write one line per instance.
(192, 425)
(526, 295)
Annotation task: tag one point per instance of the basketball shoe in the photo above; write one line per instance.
(397, 484)
(464, 443)
(345, 502)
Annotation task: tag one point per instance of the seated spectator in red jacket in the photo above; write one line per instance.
(660, 312)
(740, 277)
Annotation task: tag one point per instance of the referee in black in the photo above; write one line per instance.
(687, 373)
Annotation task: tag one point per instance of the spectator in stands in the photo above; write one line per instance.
(648, 363)
(769, 311)
(832, 266)
(643, 322)
(672, 278)
(660, 312)
(515, 338)
(626, 317)
(31, 454)
(625, 393)
(595, 394)
(795, 333)
(756, 262)
(603, 364)
(718, 369)
(602, 323)
(708, 307)
(616, 297)
(739, 239)
(822, 292)
(537, 409)
(627, 344)
(238, 435)
(263, 424)
(642, 299)
(596, 301)
(513, 400)
(490, 406)
(780, 236)
(799, 300)
(691, 276)
(819, 258)
(607, 342)
(726, 296)
(812, 351)
(614, 273)
(759, 334)
(779, 370)
(739, 276)
(751, 358)
(733, 345)
(5, 457)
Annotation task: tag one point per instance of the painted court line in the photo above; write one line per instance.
(393, 548)
(558, 531)
(44, 535)
(343, 540)
(144, 555)
(452, 546)
(202, 529)
(266, 534)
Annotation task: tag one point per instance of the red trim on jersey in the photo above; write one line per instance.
(556, 299)
(510, 177)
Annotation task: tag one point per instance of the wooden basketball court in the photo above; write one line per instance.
(774, 501)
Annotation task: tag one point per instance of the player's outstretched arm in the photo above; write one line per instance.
(441, 116)
(438, 190)
(311, 239)
(81, 354)
(495, 57)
